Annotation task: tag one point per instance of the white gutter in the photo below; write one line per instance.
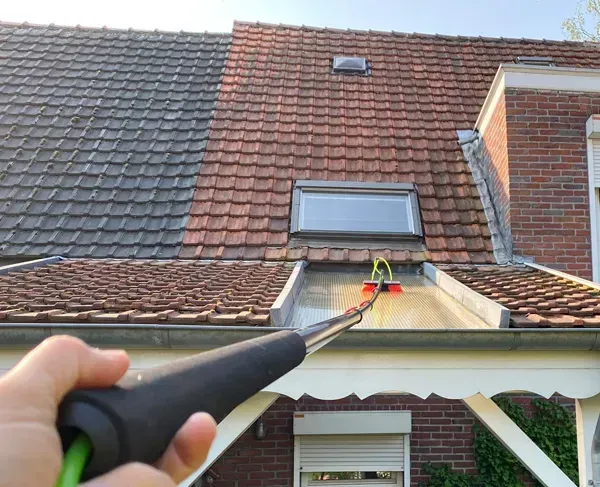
(163, 336)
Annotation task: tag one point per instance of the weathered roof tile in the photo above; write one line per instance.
(102, 116)
(535, 298)
(142, 291)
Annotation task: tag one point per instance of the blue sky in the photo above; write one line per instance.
(508, 18)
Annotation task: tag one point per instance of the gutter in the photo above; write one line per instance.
(163, 336)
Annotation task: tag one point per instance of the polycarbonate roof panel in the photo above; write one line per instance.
(421, 305)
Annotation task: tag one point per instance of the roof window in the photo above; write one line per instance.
(535, 61)
(350, 65)
(332, 208)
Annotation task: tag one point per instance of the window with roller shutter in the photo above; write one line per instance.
(354, 448)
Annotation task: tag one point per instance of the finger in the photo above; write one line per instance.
(132, 475)
(189, 447)
(60, 364)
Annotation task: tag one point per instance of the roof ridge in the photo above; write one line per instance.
(417, 35)
(130, 30)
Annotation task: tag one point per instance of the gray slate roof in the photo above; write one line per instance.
(102, 133)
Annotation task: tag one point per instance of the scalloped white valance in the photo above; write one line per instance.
(334, 374)
(452, 375)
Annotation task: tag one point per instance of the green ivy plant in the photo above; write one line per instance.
(442, 475)
(551, 427)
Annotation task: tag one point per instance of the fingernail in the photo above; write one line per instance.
(200, 415)
(114, 354)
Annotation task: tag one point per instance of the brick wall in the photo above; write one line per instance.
(442, 432)
(547, 157)
(496, 156)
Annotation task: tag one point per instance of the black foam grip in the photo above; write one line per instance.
(136, 420)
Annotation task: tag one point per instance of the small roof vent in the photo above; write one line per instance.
(536, 61)
(355, 65)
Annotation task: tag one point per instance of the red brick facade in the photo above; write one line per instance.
(547, 150)
(441, 432)
(497, 155)
(547, 179)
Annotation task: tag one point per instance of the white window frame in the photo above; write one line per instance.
(352, 423)
(364, 70)
(593, 133)
(399, 481)
(348, 187)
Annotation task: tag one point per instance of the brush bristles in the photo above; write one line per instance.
(395, 288)
(388, 286)
(368, 287)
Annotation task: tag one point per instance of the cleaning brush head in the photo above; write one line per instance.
(388, 286)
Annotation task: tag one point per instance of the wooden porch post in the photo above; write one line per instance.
(587, 413)
(513, 438)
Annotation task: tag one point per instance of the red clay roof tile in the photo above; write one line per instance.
(283, 115)
(535, 298)
(114, 291)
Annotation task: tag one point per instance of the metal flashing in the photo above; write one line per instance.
(312, 183)
(492, 313)
(564, 275)
(303, 188)
(30, 264)
(284, 304)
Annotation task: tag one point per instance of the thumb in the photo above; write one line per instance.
(56, 366)
(132, 475)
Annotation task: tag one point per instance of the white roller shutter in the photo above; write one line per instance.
(593, 156)
(596, 161)
(338, 453)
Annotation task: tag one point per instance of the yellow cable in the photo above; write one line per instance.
(376, 268)
(388, 267)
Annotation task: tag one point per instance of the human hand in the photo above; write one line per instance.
(30, 448)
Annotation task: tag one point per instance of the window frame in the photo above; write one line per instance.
(353, 424)
(592, 136)
(348, 187)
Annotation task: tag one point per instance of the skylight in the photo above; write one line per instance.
(352, 65)
(348, 208)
